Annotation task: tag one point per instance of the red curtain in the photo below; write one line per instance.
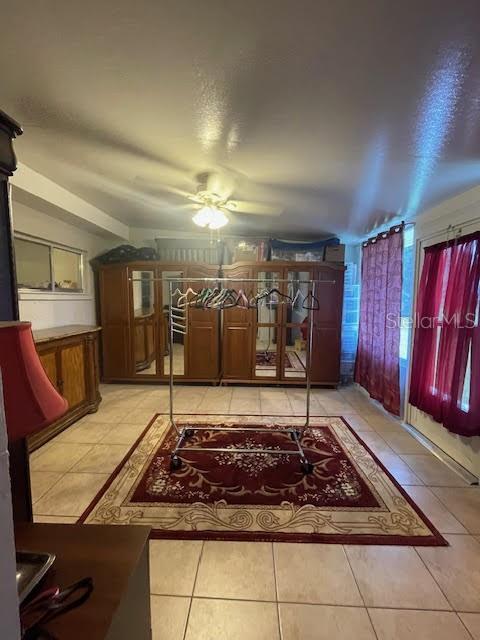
(377, 364)
(445, 380)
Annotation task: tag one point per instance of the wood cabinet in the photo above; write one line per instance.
(69, 356)
(144, 340)
(267, 344)
(202, 339)
(238, 325)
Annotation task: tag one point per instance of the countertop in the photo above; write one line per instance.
(55, 333)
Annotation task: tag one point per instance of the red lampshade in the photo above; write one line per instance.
(31, 401)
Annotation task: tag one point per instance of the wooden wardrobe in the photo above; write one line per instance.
(262, 345)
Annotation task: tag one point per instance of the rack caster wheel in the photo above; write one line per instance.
(188, 433)
(175, 463)
(307, 467)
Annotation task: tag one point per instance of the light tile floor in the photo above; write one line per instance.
(263, 591)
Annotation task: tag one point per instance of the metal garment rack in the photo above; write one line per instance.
(178, 324)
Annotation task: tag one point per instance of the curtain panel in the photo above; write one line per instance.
(445, 379)
(377, 364)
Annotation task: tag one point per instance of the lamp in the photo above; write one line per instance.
(210, 217)
(31, 403)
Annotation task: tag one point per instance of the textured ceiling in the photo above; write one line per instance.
(344, 113)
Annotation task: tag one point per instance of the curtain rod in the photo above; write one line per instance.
(395, 229)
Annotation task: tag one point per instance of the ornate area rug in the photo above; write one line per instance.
(268, 360)
(349, 497)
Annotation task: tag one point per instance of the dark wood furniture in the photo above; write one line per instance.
(69, 356)
(144, 340)
(196, 358)
(223, 349)
(117, 560)
(19, 471)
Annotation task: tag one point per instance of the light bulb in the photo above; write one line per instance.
(203, 217)
(218, 219)
(210, 217)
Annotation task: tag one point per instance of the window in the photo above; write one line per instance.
(445, 372)
(43, 266)
(408, 267)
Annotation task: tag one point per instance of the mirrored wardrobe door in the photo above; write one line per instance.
(144, 339)
(294, 359)
(268, 311)
(266, 351)
(179, 302)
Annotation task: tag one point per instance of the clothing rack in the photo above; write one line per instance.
(178, 323)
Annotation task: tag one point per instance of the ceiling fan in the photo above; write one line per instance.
(212, 201)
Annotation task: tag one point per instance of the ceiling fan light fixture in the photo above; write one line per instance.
(218, 220)
(210, 217)
(202, 218)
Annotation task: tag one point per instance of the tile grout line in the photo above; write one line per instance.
(433, 578)
(316, 604)
(280, 634)
(447, 509)
(464, 625)
(187, 619)
(49, 489)
(359, 591)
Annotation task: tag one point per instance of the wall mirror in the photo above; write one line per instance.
(144, 329)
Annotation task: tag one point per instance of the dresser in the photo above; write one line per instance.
(69, 356)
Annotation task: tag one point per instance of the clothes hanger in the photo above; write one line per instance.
(314, 305)
(286, 298)
(217, 301)
(202, 297)
(242, 300)
(211, 297)
(184, 296)
(297, 297)
(259, 296)
(230, 299)
(250, 299)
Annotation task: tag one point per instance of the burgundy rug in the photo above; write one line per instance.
(268, 360)
(349, 497)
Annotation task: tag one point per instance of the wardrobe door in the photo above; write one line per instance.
(203, 326)
(296, 328)
(173, 273)
(268, 319)
(237, 332)
(327, 324)
(143, 320)
(114, 297)
(202, 341)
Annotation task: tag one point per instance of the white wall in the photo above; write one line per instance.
(46, 310)
(462, 212)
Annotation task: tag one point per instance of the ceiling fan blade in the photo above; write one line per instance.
(157, 187)
(254, 208)
(192, 206)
